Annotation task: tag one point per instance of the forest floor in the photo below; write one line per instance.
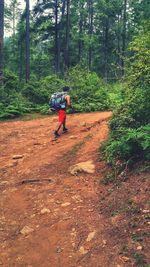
(51, 218)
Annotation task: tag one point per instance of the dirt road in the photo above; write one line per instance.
(50, 218)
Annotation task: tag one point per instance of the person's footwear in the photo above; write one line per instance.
(56, 134)
(65, 130)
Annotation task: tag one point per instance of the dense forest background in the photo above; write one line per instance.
(100, 48)
(66, 33)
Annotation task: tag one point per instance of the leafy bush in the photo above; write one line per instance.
(11, 82)
(130, 143)
(52, 84)
(116, 94)
(130, 125)
(88, 92)
(17, 106)
(9, 88)
(12, 103)
(35, 93)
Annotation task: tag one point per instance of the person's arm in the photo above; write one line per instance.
(68, 101)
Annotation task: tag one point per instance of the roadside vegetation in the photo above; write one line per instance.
(129, 138)
(88, 91)
(125, 199)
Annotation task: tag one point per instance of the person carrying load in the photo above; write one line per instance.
(59, 102)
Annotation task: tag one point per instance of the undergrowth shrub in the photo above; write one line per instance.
(89, 92)
(130, 124)
(34, 92)
(12, 103)
(116, 94)
(129, 143)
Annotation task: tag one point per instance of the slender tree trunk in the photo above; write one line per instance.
(124, 34)
(67, 35)
(60, 31)
(63, 9)
(1, 39)
(13, 17)
(80, 31)
(14, 29)
(90, 3)
(118, 45)
(106, 49)
(27, 41)
(56, 38)
(20, 59)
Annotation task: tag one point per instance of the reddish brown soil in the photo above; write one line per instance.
(59, 237)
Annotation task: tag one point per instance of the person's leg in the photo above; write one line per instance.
(62, 118)
(64, 126)
(58, 128)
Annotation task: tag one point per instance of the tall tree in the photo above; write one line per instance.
(21, 45)
(90, 7)
(27, 41)
(1, 38)
(60, 26)
(106, 40)
(67, 35)
(12, 14)
(81, 10)
(56, 38)
(124, 33)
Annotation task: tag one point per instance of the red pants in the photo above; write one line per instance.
(62, 115)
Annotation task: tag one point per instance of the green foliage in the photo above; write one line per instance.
(42, 109)
(17, 107)
(128, 143)
(11, 82)
(12, 103)
(9, 89)
(116, 94)
(130, 125)
(35, 93)
(52, 83)
(140, 259)
(39, 92)
(88, 92)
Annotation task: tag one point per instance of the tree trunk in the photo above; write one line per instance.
(20, 59)
(67, 35)
(1, 39)
(90, 3)
(27, 42)
(124, 35)
(56, 38)
(13, 17)
(118, 60)
(60, 31)
(80, 31)
(106, 49)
